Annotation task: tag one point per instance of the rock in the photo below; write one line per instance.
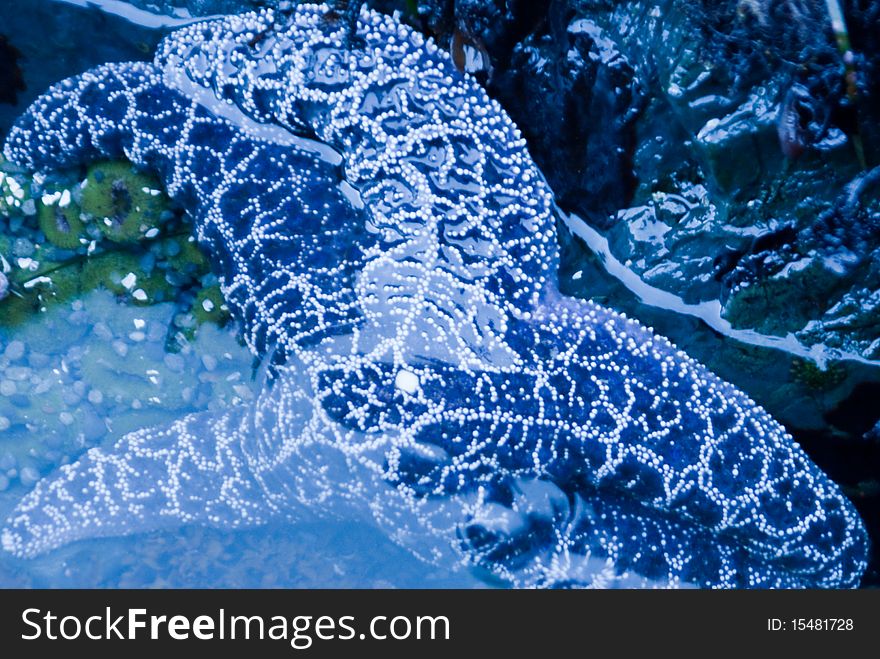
(11, 79)
(28, 476)
(744, 149)
(174, 362)
(22, 247)
(15, 350)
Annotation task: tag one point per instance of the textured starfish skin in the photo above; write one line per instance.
(430, 377)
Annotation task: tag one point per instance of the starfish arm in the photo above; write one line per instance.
(191, 471)
(604, 441)
(93, 115)
(268, 207)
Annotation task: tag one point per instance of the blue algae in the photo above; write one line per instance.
(423, 375)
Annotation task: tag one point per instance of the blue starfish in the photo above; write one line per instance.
(429, 376)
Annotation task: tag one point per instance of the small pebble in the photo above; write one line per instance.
(96, 397)
(22, 247)
(5, 423)
(20, 400)
(148, 262)
(102, 331)
(76, 353)
(29, 476)
(14, 351)
(172, 248)
(7, 388)
(7, 461)
(42, 387)
(185, 320)
(17, 373)
(243, 391)
(174, 362)
(209, 362)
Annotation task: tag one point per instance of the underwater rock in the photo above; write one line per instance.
(50, 37)
(11, 80)
(721, 132)
(431, 378)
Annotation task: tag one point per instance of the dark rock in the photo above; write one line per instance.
(11, 80)
(56, 45)
(566, 84)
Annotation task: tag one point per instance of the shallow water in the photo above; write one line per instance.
(81, 375)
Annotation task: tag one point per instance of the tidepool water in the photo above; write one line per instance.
(81, 375)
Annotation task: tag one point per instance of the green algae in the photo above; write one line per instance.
(116, 230)
(185, 256)
(810, 375)
(123, 274)
(210, 307)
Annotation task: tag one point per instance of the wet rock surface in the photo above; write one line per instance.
(48, 36)
(727, 154)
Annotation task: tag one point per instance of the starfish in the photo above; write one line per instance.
(387, 243)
